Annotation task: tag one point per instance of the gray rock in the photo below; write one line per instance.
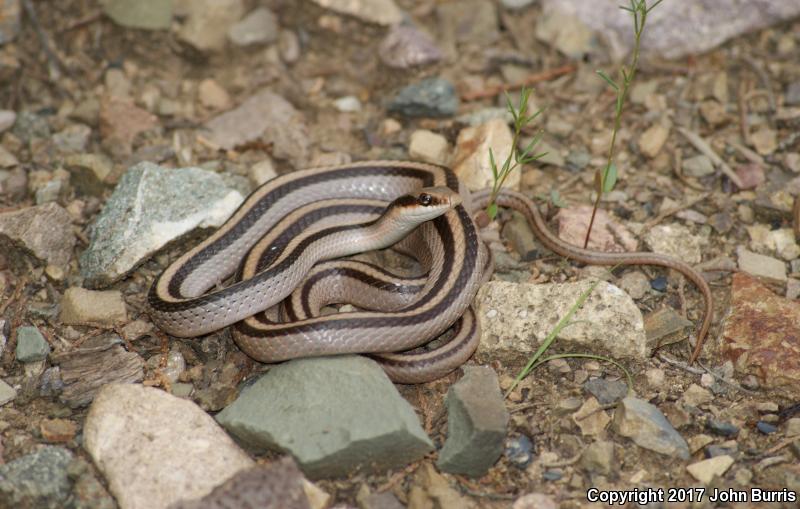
(37, 480)
(468, 22)
(5, 333)
(698, 166)
(606, 391)
(484, 115)
(314, 409)
(80, 306)
(522, 239)
(258, 27)
(155, 449)
(7, 159)
(565, 32)
(206, 22)
(277, 485)
(762, 266)
(30, 125)
(477, 421)
(792, 95)
(516, 4)
(14, 184)
(7, 119)
(406, 46)
(49, 192)
(382, 12)
(147, 14)
(648, 428)
(432, 97)
(268, 117)
(682, 29)
(7, 393)
(44, 231)
(150, 207)
(31, 345)
(598, 458)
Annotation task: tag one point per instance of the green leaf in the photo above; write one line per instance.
(608, 80)
(653, 6)
(491, 210)
(492, 163)
(610, 178)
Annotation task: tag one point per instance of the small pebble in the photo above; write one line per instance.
(765, 427)
(722, 428)
(552, 475)
(519, 451)
(659, 284)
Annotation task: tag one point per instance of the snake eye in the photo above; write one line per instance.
(425, 199)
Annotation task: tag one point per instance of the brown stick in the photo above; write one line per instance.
(538, 77)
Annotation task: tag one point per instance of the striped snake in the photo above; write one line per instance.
(296, 220)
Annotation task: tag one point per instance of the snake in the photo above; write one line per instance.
(269, 231)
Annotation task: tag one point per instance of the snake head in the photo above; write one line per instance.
(426, 203)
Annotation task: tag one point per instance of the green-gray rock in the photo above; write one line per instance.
(147, 14)
(31, 345)
(335, 415)
(647, 427)
(7, 393)
(476, 423)
(37, 480)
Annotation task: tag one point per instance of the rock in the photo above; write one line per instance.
(471, 159)
(607, 234)
(146, 14)
(565, 32)
(99, 361)
(7, 119)
(782, 241)
(207, 22)
(476, 423)
(664, 327)
(606, 391)
(80, 306)
(516, 317)
(327, 434)
(751, 175)
(72, 139)
(121, 121)
(590, 418)
(705, 471)
(58, 430)
(30, 125)
(10, 18)
(712, 22)
(150, 207)
(713, 112)
(89, 172)
(7, 393)
(652, 140)
(268, 117)
(431, 489)
(792, 95)
(655, 377)
(262, 171)
(212, 95)
(381, 12)
(384, 500)
(31, 345)
(677, 241)
(514, 5)
(48, 193)
(43, 232)
(258, 27)
(429, 147)
(519, 451)
(648, 428)
(7, 159)
(551, 154)
(760, 335)
(289, 46)
(155, 449)
(431, 97)
(484, 115)
(764, 141)
(761, 266)
(405, 46)
(347, 104)
(276, 485)
(534, 500)
(598, 458)
(766, 428)
(518, 232)
(471, 22)
(636, 285)
(698, 166)
(38, 480)
(695, 396)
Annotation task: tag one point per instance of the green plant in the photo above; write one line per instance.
(606, 179)
(515, 158)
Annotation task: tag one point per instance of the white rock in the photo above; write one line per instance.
(262, 171)
(705, 471)
(347, 104)
(471, 160)
(516, 317)
(676, 240)
(382, 12)
(155, 449)
(429, 147)
(760, 265)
